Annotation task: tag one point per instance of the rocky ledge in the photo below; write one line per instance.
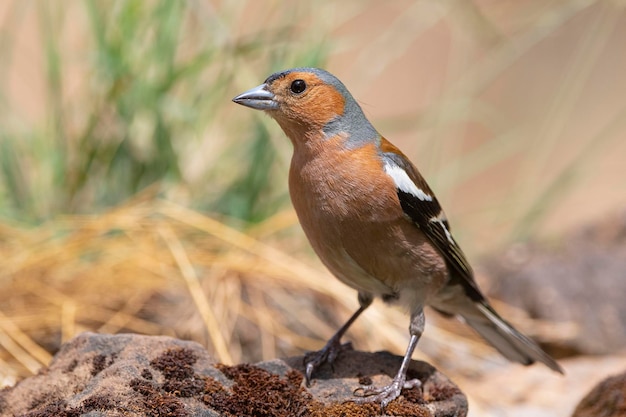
(132, 375)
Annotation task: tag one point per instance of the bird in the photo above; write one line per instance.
(374, 222)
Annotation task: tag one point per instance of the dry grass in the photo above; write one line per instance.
(154, 267)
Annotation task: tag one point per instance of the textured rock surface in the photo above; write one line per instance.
(564, 283)
(132, 375)
(607, 399)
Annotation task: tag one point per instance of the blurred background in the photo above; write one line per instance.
(136, 197)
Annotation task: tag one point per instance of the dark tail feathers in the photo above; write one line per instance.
(508, 341)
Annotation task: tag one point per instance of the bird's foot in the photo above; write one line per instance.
(387, 394)
(328, 354)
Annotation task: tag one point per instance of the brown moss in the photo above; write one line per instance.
(157, 403)
(99, 363)
(214, 394)
(147, 374)
(176, 365)
(347, 409)
(70, 368)
(440, 393)
(256, 392)
(98, 403)
(414, 395)
(295, 377)
(405, 408)
(57, 408)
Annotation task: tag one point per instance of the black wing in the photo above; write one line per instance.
(422, 207)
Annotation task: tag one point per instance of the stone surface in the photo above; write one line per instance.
(132, 375)
(523, 391)
(607, 399)
(578, 281)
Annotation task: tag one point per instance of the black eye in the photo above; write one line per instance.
(298, 86)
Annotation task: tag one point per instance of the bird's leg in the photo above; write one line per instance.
(332, 348)
(387, 394)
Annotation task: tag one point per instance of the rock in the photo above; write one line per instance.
(607, 399)
(522, 391)
(580, 281)
(133, 375)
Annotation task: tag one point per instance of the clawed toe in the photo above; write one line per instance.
(384, 395)
(328, 354)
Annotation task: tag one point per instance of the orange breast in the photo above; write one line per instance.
(349, 210)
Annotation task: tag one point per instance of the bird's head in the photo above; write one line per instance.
(309, 104)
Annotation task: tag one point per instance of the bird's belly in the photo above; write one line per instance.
(356, 225)
(390, 258)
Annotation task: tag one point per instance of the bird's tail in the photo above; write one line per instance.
(508, 341)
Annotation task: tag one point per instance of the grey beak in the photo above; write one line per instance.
(259, 98)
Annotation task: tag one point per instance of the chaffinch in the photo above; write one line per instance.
(374, 221)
